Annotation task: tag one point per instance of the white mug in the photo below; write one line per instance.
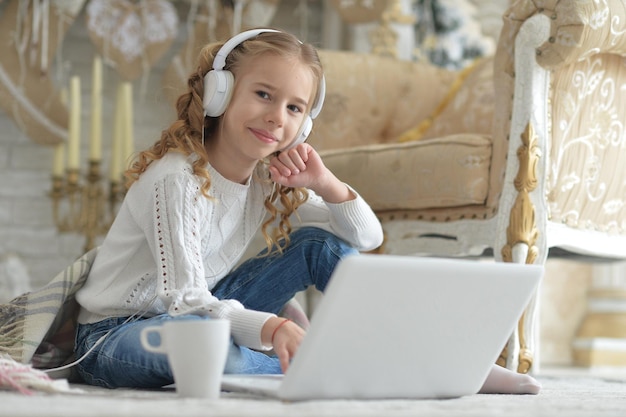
(196, 351)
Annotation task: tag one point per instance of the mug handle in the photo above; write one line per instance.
(143, 336)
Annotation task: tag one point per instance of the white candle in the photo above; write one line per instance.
(95, 149)
(116, 142)
(73, 159)
(129, 139)
(58, 167)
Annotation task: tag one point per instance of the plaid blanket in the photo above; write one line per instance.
(39, 327)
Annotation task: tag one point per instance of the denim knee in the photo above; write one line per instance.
(321, 251)
(329, 241)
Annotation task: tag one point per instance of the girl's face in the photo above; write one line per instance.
(270, 100)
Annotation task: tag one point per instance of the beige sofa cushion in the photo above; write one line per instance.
(471, 108)
(372, 99)
(466, 108)
(451, 171)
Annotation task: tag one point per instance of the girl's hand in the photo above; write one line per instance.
(302, 166)
(285, 336)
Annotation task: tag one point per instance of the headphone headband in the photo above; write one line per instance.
(219, 62)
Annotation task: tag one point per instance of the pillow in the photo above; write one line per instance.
(373, 99)
(467, 107)
(451, 171)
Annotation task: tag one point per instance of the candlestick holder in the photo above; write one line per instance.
(82, 206)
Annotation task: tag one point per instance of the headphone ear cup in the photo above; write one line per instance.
(218, 88)
(303, 133)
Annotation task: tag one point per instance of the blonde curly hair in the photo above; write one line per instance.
(185, 134)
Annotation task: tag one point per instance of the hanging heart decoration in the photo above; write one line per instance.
(131, 36)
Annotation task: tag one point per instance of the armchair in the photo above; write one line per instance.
(518, 154)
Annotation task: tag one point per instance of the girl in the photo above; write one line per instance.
(234, 162)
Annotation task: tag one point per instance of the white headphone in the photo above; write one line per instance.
(218, 86)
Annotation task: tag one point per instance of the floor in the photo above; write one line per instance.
(566, 392)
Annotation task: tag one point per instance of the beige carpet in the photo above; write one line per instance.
(564, 393)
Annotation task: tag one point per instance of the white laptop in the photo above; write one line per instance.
(403, 327)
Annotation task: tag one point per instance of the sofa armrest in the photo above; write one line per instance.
(578, 28)
(574, 107)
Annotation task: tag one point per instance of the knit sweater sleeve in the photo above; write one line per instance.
(353, 220)
(176, 245)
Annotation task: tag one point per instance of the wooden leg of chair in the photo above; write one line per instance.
(508, 355)
(522, 234)
(525, 358)
(528, 329)
(504, 355)
(518, 352)
(526, 324)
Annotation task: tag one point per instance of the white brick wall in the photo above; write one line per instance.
(25, 217)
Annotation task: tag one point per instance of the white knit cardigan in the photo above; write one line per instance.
(169, 245)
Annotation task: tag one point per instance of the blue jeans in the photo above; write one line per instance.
(263, 284)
